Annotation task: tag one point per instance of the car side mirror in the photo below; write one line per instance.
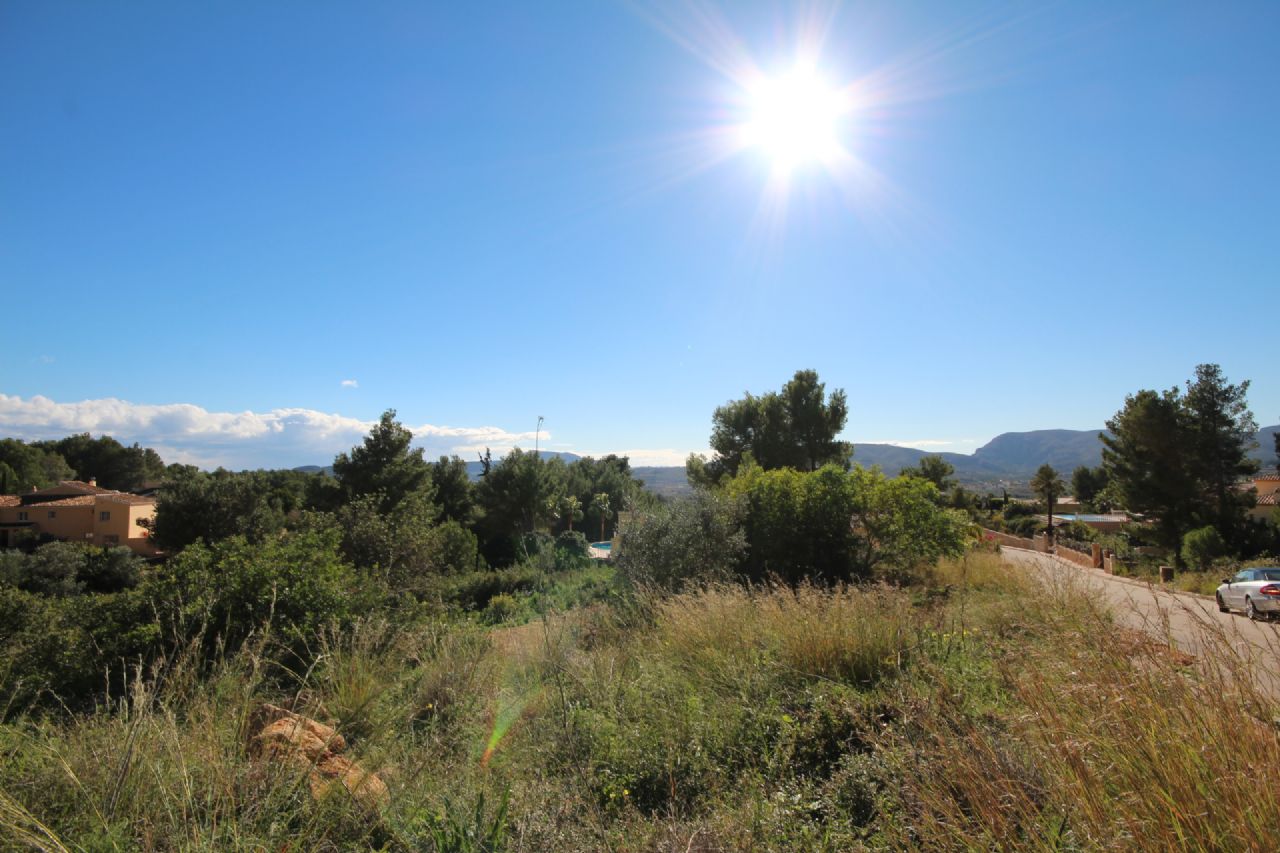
(1227, 581)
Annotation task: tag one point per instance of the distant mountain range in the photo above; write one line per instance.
(1005, 462)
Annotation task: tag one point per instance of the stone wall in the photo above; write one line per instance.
(1005, 539)
(1080, 558)
(1040, 543)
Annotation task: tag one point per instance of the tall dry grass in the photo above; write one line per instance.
(1111, 738)
(980, 710)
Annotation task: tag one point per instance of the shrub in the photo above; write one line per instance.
(294, 583)
(1201, 546)
(70, 568)
(452, 549)
(501, 608)
(689, 541)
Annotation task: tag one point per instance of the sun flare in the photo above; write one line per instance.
(795, 119)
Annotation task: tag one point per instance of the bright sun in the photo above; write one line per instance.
(795, 119)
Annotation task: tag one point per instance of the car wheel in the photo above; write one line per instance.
(1222, 605)
(1251, 611)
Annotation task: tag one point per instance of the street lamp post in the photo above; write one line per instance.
(536, 434)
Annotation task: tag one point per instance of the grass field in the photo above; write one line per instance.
(964, 712)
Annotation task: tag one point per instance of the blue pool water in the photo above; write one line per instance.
(603, 546)
(1069, 516)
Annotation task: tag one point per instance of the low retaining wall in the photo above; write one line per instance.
(1006, 539)
(1078, 557)
(1040, 543)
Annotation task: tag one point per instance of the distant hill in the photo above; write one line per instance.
(1006, 461)
(665, 480)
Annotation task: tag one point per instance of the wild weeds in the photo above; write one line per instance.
(990, 711)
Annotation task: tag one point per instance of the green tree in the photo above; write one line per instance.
(1144, 457)
(936, 470)
(211, 507)
(1087, 485)
(571, 510)
(794, 428)
(1201, 546)
(601, 508)
(24, 467)
(296, 583)
(1220, 430)
(384, 465)
(692, 540)
(513, 498)
(105, 459)
(797, 523)
(1178, 457)
(1049, 486)
(454, 491)
(832, 525)
(899, 525)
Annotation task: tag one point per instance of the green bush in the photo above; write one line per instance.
(689, 541)
(1201, 546)
(452, 549)
(70, 568)
(294, 583)
(473, 591)
(501, 608)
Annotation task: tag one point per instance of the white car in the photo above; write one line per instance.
(1254, 591)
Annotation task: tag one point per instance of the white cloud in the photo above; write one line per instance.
(182, 432)
(349, 383)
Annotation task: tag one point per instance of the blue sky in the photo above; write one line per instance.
(239, 231)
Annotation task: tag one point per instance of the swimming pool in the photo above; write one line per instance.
(603, 546)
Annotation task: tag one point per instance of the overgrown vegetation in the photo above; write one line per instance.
(970, 710)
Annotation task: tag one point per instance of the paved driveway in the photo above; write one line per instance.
(1189, 621)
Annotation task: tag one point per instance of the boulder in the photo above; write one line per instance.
(278, 734)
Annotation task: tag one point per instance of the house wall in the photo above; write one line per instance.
(69, 522)
(72, 523)
(139, 537)
(122, 523)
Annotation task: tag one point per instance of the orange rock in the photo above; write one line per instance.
(280, 734)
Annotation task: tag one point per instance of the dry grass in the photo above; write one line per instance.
(977, 713)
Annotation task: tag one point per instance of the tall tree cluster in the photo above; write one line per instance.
(792, 428)
(1177, 456)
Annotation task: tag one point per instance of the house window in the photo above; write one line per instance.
(105, 515)
(111, 539)
(22, 516)
(53, 513)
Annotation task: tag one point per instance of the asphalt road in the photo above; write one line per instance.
(1191, 622)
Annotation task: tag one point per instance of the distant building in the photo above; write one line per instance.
(78, 512)
(1267, 485)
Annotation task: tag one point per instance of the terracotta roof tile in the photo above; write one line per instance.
(1272, 499)
(75, 500)
(88, 488)
(126, 498)
(10, 500)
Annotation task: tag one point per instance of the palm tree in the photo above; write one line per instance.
(600, 504)
(1048, 485)
(572, 509)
